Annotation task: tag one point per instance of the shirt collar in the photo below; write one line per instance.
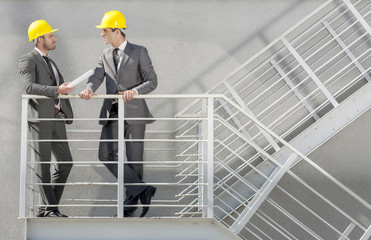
(123, 45)
(40, 52)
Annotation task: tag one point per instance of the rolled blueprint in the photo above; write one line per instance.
(81, 78)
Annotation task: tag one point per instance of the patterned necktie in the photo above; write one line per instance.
(50, 69)
(115, 57)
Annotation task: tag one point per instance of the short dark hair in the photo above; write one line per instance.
(122, 33)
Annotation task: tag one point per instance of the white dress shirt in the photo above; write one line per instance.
(55, 73)
(120, 53)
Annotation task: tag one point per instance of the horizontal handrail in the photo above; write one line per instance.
(190, 170)
(115, 96)
(236, 106)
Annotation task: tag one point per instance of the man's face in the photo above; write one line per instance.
(108, 35)
(48, 41)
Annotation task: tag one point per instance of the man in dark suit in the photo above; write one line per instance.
(128, 70)
(40, 76)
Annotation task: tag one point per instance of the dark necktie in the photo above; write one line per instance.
(115, 57)
(53, 76)
(50, 69)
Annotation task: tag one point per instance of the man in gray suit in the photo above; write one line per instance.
(41, 76)
(128, 71)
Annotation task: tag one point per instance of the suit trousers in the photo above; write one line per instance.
(44, 130)
(108, 151)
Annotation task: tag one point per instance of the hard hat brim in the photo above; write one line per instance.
(101, 26)
(104, 26)
(54, 30)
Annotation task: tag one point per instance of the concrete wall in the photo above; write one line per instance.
(193, 44)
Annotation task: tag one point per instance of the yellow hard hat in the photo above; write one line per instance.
(39, 28)
(113, 19)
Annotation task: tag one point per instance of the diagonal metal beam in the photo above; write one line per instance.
(238, 123)
(310, 72)
(367, 234)
(255, 203)
(244, 107)
(359, 17)
(234, 118)
(347, 231)
(294, 89)
(347, 51)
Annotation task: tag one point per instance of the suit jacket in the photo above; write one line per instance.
(38, 80)
(134, 72)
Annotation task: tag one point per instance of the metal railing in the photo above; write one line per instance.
(87, 141)
(302, 75)
(288, 86)
(241, 161)
(212, 177)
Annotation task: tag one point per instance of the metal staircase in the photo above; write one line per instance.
(247, 190)
(241, 168)
(306, 86)
(301, 76)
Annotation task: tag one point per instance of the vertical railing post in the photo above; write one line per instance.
(32, 179)
(202, 148)
(210, 157)
(121, 156)
(23, 167)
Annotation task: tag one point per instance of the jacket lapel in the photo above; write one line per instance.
(41, 61)
(59, 74)
(127, 52)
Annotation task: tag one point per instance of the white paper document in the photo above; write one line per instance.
(81, 78)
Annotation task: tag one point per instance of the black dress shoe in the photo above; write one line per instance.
(145, 198)
(40, 214)
(55, 213)
(128, 214)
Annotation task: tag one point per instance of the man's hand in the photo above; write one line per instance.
(86, 94)
(128, 95)
(64, 89)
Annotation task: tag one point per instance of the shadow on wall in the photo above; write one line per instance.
(235, 52)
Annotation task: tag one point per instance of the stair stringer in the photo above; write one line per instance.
(306, 142)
